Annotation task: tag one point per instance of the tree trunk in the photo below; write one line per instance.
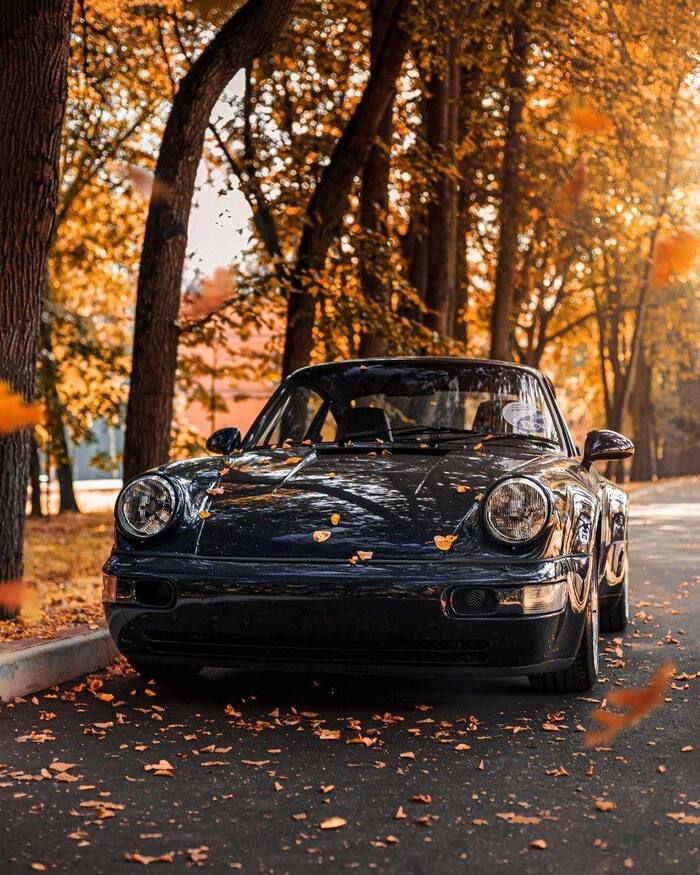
(34, 478)
(509, 213)
(54, 420)
(643, 463)
(249, 33)
(34, 39)
(329, 201)
(374, 205)
(442, 110)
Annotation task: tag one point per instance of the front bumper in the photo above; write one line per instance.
(392, 617)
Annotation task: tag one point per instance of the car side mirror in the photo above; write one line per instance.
(606, 445)
(224, 441)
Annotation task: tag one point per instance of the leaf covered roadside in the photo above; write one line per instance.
(62, 575)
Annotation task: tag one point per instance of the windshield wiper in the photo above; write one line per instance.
(517, 436)
(408, 430)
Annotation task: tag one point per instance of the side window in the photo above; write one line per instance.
(302, 409)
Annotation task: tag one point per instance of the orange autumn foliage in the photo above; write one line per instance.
(15, 412)
(638, 704)
(675, 255)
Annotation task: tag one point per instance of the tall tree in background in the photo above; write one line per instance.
(517, 34)
(245, 36)
(329, 201)
(34, 39)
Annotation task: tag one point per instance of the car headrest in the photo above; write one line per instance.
(370, 422)
(489, 417)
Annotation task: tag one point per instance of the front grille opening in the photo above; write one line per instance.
(396, 652)
(467, 601)
(154, 593)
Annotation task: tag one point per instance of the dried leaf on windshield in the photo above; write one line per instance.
(321, 535)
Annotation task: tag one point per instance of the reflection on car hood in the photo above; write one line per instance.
(393, 505)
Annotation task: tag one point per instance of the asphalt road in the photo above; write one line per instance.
(470, 765)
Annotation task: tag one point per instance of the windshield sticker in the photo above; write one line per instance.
(524, 418)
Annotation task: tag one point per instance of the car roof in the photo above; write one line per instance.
(416, 360)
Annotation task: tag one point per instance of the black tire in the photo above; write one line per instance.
(165, 674)
(582, 674)
(614, 617)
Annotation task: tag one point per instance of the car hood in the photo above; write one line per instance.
(392, 505)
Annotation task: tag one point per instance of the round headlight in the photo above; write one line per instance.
(516, 511)
(146, 506)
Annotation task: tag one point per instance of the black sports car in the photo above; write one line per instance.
(386, 515)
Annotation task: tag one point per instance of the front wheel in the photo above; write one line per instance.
(165, 674)
(582, 675)
(616, 617)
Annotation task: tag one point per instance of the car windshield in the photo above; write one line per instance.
(399, 402)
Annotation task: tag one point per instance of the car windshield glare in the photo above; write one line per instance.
(400, 402)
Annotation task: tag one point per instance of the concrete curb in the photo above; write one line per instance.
(30, 666)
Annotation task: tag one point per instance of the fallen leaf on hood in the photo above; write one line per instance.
(639, 703)
(461, 489)
(365, 555)
(333, 823)
(216, 490)
(203, 514)
(294, 460)
(321, 535)
(444, 542)
(15, 412)
(335, 519)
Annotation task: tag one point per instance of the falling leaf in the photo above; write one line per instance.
(639, 703)
(321, 535)
(675, 255)
(213, 293)
(144, 183)
(333, 823)
(568, 198)
(335, 519)
(16, 596)
(585, 119)
(444, 542)
(15, 412)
